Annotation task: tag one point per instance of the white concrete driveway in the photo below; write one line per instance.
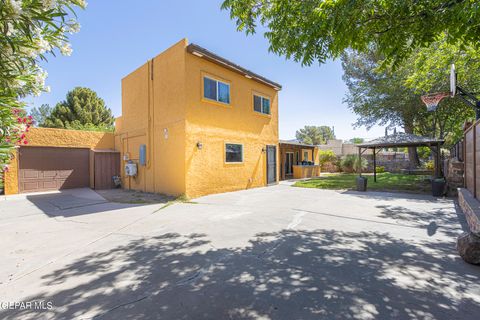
(270, 253)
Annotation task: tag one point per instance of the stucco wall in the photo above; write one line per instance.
(131, 128)
(169, 115)
(48, 137)
(335, 145)
(340, 148)
(214, 124)
(153, 114)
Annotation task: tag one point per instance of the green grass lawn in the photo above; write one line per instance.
(385, 182)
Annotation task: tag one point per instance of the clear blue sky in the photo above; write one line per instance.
(118, 36)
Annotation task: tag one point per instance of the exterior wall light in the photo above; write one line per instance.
(199, 145)
(264, 150)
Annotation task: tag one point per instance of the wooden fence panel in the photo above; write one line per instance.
(477, 161)
(470, 161)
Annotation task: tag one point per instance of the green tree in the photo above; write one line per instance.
(391, 97)
(356, 140)
(377, 95)
(431, 66)
(29, 31)
(326, 156)
(318, 30)
(82, 109)
(315, 134)
(40, 114)
(429, 70)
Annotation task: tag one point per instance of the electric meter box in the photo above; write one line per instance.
(131, 169)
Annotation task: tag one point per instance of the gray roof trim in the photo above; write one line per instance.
(210, 56)
(400, 140)
(294, 143)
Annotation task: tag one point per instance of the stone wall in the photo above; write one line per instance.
(468, 243)
(392, 162)
(453, 170)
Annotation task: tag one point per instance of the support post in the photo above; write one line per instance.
(374, 165)
(437, 162)
(360, 160)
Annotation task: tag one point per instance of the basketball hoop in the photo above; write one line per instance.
(453, 81)
(432, 100)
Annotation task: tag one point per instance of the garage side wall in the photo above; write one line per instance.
(49, 137)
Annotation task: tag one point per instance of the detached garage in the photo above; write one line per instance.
(57, 159)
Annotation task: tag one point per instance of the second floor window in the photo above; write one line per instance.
(261, 104)
(216, 90)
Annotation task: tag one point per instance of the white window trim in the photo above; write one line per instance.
(261, 104)
(216, 84)
(225, 153)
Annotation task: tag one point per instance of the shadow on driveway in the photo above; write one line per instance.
(319, 274)
(75, 202)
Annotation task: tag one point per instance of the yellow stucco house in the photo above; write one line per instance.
(194, 123)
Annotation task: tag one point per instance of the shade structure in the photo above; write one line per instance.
(400, 140)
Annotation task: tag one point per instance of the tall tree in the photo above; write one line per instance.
(315, 134)
(378, 96)
(317, 30)
(356, 140)
(82, 109)
(29, 31)
(391, 97)
(429, 70)
(40, 114)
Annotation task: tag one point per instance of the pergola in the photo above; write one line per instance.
(400, 140)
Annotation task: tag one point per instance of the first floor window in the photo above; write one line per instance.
(216, 90)
(261, 104)
(305, 155)
(233, 152)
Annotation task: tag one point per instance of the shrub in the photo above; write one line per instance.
(424, 152)
(351, 163)
(380, 169)
(326, 156)
(429, 165)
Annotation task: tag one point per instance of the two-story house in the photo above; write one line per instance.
(196, 123)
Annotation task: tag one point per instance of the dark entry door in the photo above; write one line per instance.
(107, 165)
(271, 164)
(289, 163)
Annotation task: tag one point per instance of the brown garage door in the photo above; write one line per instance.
(42, 168)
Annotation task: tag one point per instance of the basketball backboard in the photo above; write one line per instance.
(453, 81)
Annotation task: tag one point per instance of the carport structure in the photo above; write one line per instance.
(401, 140)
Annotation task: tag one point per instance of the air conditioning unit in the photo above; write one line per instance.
(131, 169)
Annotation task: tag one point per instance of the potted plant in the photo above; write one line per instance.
(438, 187)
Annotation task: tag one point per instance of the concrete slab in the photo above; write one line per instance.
(270, 253)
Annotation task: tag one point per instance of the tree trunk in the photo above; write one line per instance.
(412, 151)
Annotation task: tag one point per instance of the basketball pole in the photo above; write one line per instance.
(469, 99)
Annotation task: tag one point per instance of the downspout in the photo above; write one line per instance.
(150, 119)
